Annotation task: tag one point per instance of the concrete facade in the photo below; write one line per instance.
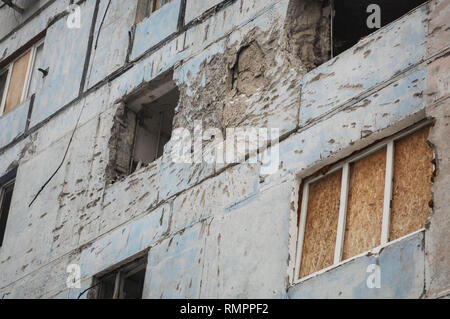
(214, 230)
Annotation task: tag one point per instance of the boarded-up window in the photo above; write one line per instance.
(321, 224)
(376, 196)
(365, 204)
(17, 82)
(413, 173)
(146, 7)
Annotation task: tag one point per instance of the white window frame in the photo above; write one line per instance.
(389, 143)
(27, 81)
(6, 89)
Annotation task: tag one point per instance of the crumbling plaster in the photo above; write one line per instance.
(438, 107)
(191, 217)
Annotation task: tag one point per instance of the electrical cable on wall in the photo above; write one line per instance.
(78, 120)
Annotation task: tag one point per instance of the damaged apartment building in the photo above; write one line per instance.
(353, 100)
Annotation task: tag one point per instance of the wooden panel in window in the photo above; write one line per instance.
(365, 204)
(321, 224)
(17, 82)
(411, 194)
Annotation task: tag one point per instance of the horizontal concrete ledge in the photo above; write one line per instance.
(401, 267)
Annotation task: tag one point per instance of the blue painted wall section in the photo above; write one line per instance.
(401, 268)
(161, 24)
(212, 231)
(64, 54)
(12, 124)
(376, 59)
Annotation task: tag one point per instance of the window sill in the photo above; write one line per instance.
(374, 251)
(15, 108)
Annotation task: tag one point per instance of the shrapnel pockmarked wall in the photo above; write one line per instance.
(211, 229)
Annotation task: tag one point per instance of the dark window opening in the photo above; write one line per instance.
(6, 193)
(3, 79)
(126, 282)
(142, 127)
(153, 129)
(350, 21)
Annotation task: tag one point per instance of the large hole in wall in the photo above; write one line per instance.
(142, 127)
(314, 35)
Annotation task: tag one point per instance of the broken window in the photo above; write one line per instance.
(126, 282)
(20, 79)
(354, 20)
(153, 128)
(375, 196)
(143, 126)
(146, 7)
(6, 192)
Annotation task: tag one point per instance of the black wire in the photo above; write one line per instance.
(62, 162)
(101, 24)
(84, 291)
(76, 125)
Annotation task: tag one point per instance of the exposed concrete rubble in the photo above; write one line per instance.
(121, 143)
(222, 230)
(308, 32)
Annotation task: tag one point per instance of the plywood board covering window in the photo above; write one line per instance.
(365, 204)
(413, 173)
(321, 224)
(375, 196)
(21, 78)
(17, 82)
